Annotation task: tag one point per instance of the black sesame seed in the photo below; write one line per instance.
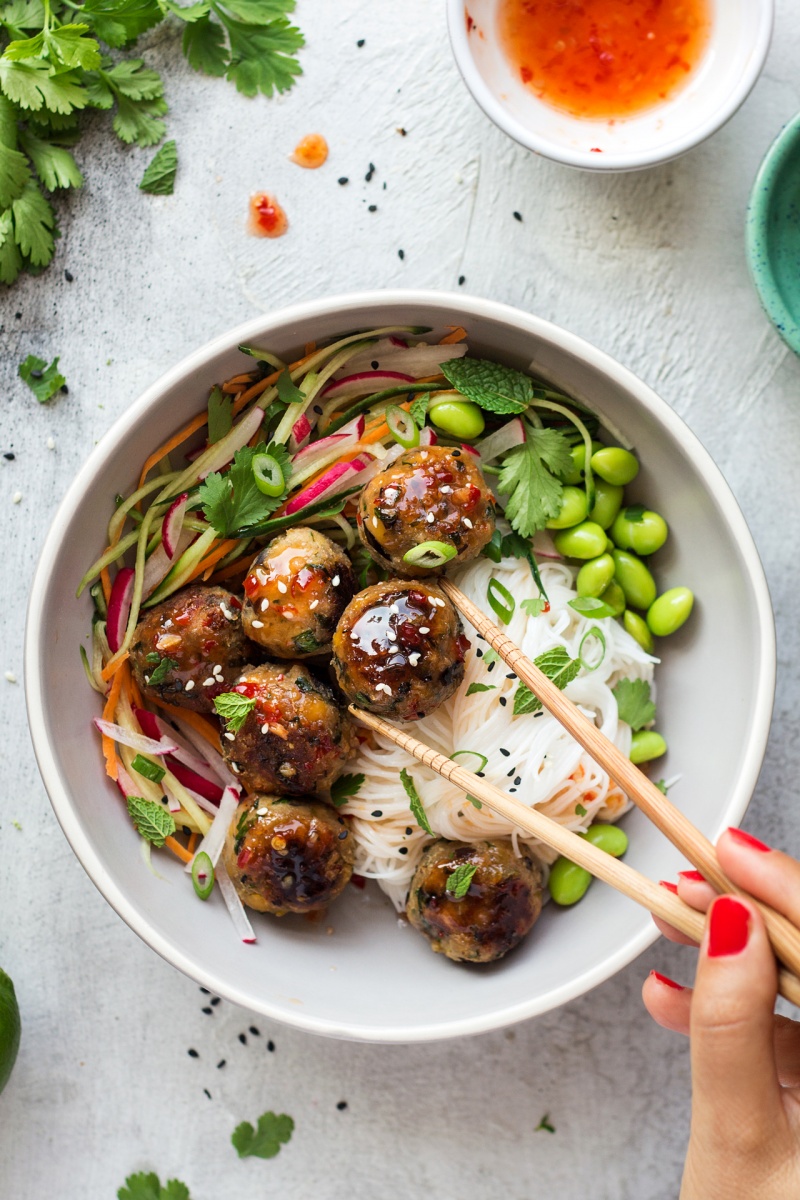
(376, 813)
(64, 389)
(207, 1092)
(343, 180)
(511, 772)
(69, 276)
(374, 364)
(510, 790)
(342, 835)
(518, 781)
(409, 830)
(517, 216)
(10, 456)
(456, 454)
(220, 1064)
(318, 409)
(192, 1054)
(243, 1038)
(402, 131)
(504, 752)
(401, 253)
(481, 774)
(491, 665)
(360, 43)
(205, 991)
(255, 1032)
(215, 1001)
(271, 1046)
(538, 714)
(479, 652)
(370, 173)
(503, 701)
(511, 675)
(403, 850)
(481, 637)
(462, 279)
(342, 1105)
(372, 208)
(18, 316)
(208, 1011)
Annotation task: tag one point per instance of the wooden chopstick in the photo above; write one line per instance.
(654, 804)
(612, 871)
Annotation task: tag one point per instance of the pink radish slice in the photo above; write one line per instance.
(470, 450)
(502, 440)
(544, 546)
(125, 783)
(427, 437)
(136, 741)
(153, 726)
(214, 839)
(345, 437)
(239, 436)
(362, 383)
(159, 563)
(396, 341)
(172, 524)
(119, 607)
(173, 803)
(191, 779)
(235, 907)
(339, 477)
(301, 432)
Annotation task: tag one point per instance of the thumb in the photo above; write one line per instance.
(736, 1091)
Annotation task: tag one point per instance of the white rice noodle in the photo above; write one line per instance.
(543, 767)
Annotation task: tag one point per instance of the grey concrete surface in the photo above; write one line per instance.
(648, 266)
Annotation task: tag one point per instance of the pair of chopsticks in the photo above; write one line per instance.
(785, 938)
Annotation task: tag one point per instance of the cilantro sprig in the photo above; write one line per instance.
(145, 1185)
(272, 1131)
(633, 703)
(344, 788)
(232, 502)
(43, 380)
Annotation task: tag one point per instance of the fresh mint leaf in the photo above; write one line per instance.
(591, 606)
(633, 703)
(146, 1186)
(479, 687)
(151, 820)
(458, 881)
(161, 672)
(234, 708)
(272, 1132)
(414, 802)
(534, 607)
(43, 380)
(557, 665)
(159, 176)
(528, 477)
(493, 387)
(288, 392)
(344, 788)
(147, 768)
(232, 502)
(220, 415)
(419, 409)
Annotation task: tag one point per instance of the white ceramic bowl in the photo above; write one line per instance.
(738, 45)
(373, 979)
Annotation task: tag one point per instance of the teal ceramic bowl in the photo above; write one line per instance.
(773, 233)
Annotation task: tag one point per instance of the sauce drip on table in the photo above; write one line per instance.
(267, 218)
(311, 151)
(604, 58)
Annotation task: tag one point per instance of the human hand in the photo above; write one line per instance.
(745, 1132)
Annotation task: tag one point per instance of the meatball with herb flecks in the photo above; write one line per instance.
(474, 902)
(399, 649)
(190, 647)
(295, 591)
(431, 507)
(294, 738)
(287, 854)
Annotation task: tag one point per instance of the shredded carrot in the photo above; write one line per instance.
(112, 668)
(177, 849)
(216, 554)
(311, 348)
(457, 335)
(199, 723)
(172, 443)
(109, 712)
(192, 843)
(237, 380)
(105, 580)
(233, 389)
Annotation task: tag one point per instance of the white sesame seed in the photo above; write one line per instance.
(414, 658)
(335, 581)
(189, 685)
(11, 677)
(282, 588)
(217, 671)
(354, 636)
(261, 576)
(374, 521)
(264, 605)
(257, 624)
(231, 737)
(446, 490)
(467, 522)
(265, 729)
(51, 443)
(262, 812)
(226, 612)
(15, 499)
(313, 604)
(237, 770)
(147, 678)
(394, 609)
(424, 629)
(430, 518)
(210, 681)
(424, 455)
(437, 602)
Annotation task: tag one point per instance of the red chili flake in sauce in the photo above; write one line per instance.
(244, 858)
(311, 151)
(251, 586)
(470, 22)
(267, 218)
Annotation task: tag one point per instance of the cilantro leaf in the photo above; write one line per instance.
(117, 22)
(11, 261)
(152, 821)
(345, 787)
(492, 386)
(31, 86)
(54, 165)
(34, 223)
(288, 392)
(662, 786)
(458, 881)
(188, 12)
(234, 709)
(556, 665)
(480, 687)
(633, 702)
(43, 380)
(220, 415)
(262, 56)
(68, 46)
(233, 502)
(273, 1131)
(259, 12)
(146, 1186)
(159, 176)
(204, 47)
(139, 96)
(414, 802)
(528, 477)
(137, 121)
(161, 672)
(533, 607)
(14, 172)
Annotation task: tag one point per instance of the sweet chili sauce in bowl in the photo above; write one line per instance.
(604, 58)
(610, 85)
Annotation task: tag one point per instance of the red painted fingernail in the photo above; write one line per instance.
(747, 839)
(671, 887)
(694, 876)
(665, 979)
(728, 927)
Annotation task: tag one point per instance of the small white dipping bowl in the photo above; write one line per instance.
(722, 80)
(374, 979)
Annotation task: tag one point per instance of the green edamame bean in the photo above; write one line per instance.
(615, 465)
(636, 626)
(646, 744)
(462, 419)
(595, 575)
(645, 534)
(573, 509)
(577, 472)
(669, 611)
(607, 503)
(610, 838)
(568, 882)
(586, 540)
(634, 578)
(614, 597)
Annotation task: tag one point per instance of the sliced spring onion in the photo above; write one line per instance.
(594, 632)
(203, 875)
(402, 426)
(472, 754)
(430, 554)
(150, 770)
(501, 600)
(268, 475)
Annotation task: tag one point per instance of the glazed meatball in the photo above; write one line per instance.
(288, 855)
(190, 647)
(295, 739)
(399, 649)
(432, 494)
(295, 592)
(501, 904)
